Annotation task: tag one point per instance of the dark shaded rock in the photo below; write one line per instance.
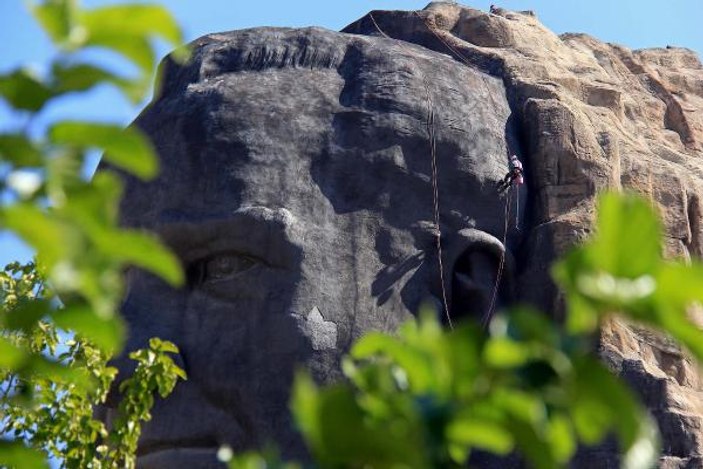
(298, 189)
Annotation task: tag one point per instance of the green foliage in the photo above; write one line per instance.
(429, 397)
(52, 380)
(79, 246)
(46, 407)
(125, 148)
(622, 270)
(253, 460)
(156, 372)
(23, 90)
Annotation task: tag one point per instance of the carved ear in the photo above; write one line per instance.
(476, 278)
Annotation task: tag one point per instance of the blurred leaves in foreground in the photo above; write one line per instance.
(58, 332)
(430, 397)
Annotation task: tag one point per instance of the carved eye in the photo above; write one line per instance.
(219, 267)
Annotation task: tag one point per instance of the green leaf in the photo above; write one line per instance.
(530, 325)
(15, 454)
(22, 90)
(481, 434)
(94, 206)
(339, 434)
(520, 404)
(27, 314)
(136, 49)
(165, 346)
(627, 240)
(681, 284)
(55, 16)
(615, 291)
(458, 453)
(10, 356)
(251, 460)
(532, 445)
(126, 29)
(44, 368)
(581, 316)
(602, 400)
(591, 419)
(304, 406)
(676, 323)
(561, 439)
(137, 20)
(142, 250)
(617, 270)
(19, 150)
(82, 77)
(51, 238)
(128, 148)
(106, 333)
(505, 353)
(416, 364)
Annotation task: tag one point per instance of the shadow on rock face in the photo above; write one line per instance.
(298, 189)
(402, 111)
(239, 339)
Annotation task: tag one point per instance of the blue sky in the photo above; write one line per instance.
(632, 23)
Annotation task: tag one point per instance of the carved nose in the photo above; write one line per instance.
(480, 273)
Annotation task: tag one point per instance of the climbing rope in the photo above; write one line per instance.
(517, 208)
(457, 55)
(501, 265)
(435, 197)
(431, 131)
(430, 124)
(485, 321)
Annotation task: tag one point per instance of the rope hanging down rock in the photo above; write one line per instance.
(501, 264)
(486, 320)
(430, 123)
(435, 186)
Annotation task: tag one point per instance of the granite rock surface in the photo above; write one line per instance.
(307, 176)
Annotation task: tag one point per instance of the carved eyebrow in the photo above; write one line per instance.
(257, 231)
(253, 212)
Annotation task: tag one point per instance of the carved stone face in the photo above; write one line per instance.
(296, 187)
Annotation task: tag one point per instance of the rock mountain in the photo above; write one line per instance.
(306, 173)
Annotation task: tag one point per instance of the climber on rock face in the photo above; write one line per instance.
(493, 9)
(514, 175)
